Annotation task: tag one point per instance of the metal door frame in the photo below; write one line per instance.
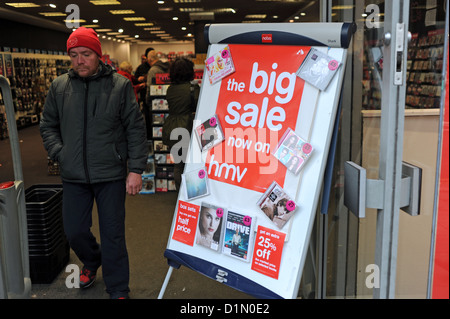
(396, 24)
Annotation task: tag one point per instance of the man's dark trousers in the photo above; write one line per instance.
(78, 200)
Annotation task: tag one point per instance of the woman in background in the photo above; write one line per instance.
(182, 97)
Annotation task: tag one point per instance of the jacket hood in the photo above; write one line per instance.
(162, 65)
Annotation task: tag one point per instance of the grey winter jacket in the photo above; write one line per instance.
(93, 127)
(158, 67)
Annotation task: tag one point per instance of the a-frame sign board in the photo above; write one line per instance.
(258, 85)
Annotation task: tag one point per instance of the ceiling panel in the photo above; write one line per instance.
(169, 20)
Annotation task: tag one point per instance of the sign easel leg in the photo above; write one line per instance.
(166, 282)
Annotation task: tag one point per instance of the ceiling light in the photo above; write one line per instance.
(90, 25)
(191, 9)
(113, 33)
(224, 10)
(187, 1)
(22, 4)
(95, 21)
(53, 14)
(134, 19)
(136, 36)
(122, 11)
(160, 2)
(183, 28)
(343, 7)
(51, 5)
(255, 16)
(175, 18)
(104, 2)
(120, 30)
(146, 24)
(75, 21)
(103, 30)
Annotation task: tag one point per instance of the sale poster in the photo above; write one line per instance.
(186, 223)
(268, 251)
(256, 105)
(261, 136)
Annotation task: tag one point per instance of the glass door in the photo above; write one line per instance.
(391, 114)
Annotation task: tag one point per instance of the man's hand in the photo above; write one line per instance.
(134, 183)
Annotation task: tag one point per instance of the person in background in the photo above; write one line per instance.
(91, 125)
(144, 67)
(141, 76)
(182, 98)
(125, 69)
(156, 66)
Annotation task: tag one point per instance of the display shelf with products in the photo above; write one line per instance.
(30, 76)
(424, 71)
(164, 164)
(424, 77)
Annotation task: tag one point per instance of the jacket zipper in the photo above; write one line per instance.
(85, 162)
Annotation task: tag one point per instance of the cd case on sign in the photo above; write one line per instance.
(209, 133)
(318, 69)
(277, 205)
(292, 151)
(219, 65)
(210, 224)
(196, 183)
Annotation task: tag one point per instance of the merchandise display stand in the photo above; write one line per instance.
(163, 160)
(258, 154)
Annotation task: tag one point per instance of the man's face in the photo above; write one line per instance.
(85, 61)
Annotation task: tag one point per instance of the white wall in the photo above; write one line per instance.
(132, 52)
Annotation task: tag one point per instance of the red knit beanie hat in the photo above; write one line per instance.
(84, 37)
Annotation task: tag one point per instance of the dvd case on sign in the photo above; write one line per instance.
(238, 236)
(318, 69)
(277, 205)
(196, 183)
(292, 151)
(210, 224)
(209, 133)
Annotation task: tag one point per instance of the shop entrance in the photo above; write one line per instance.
(391, 118)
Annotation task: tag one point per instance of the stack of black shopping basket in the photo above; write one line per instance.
(48, 247)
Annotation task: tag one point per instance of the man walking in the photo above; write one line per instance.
(91, 124)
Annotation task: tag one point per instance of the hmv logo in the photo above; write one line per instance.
(266, 38)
